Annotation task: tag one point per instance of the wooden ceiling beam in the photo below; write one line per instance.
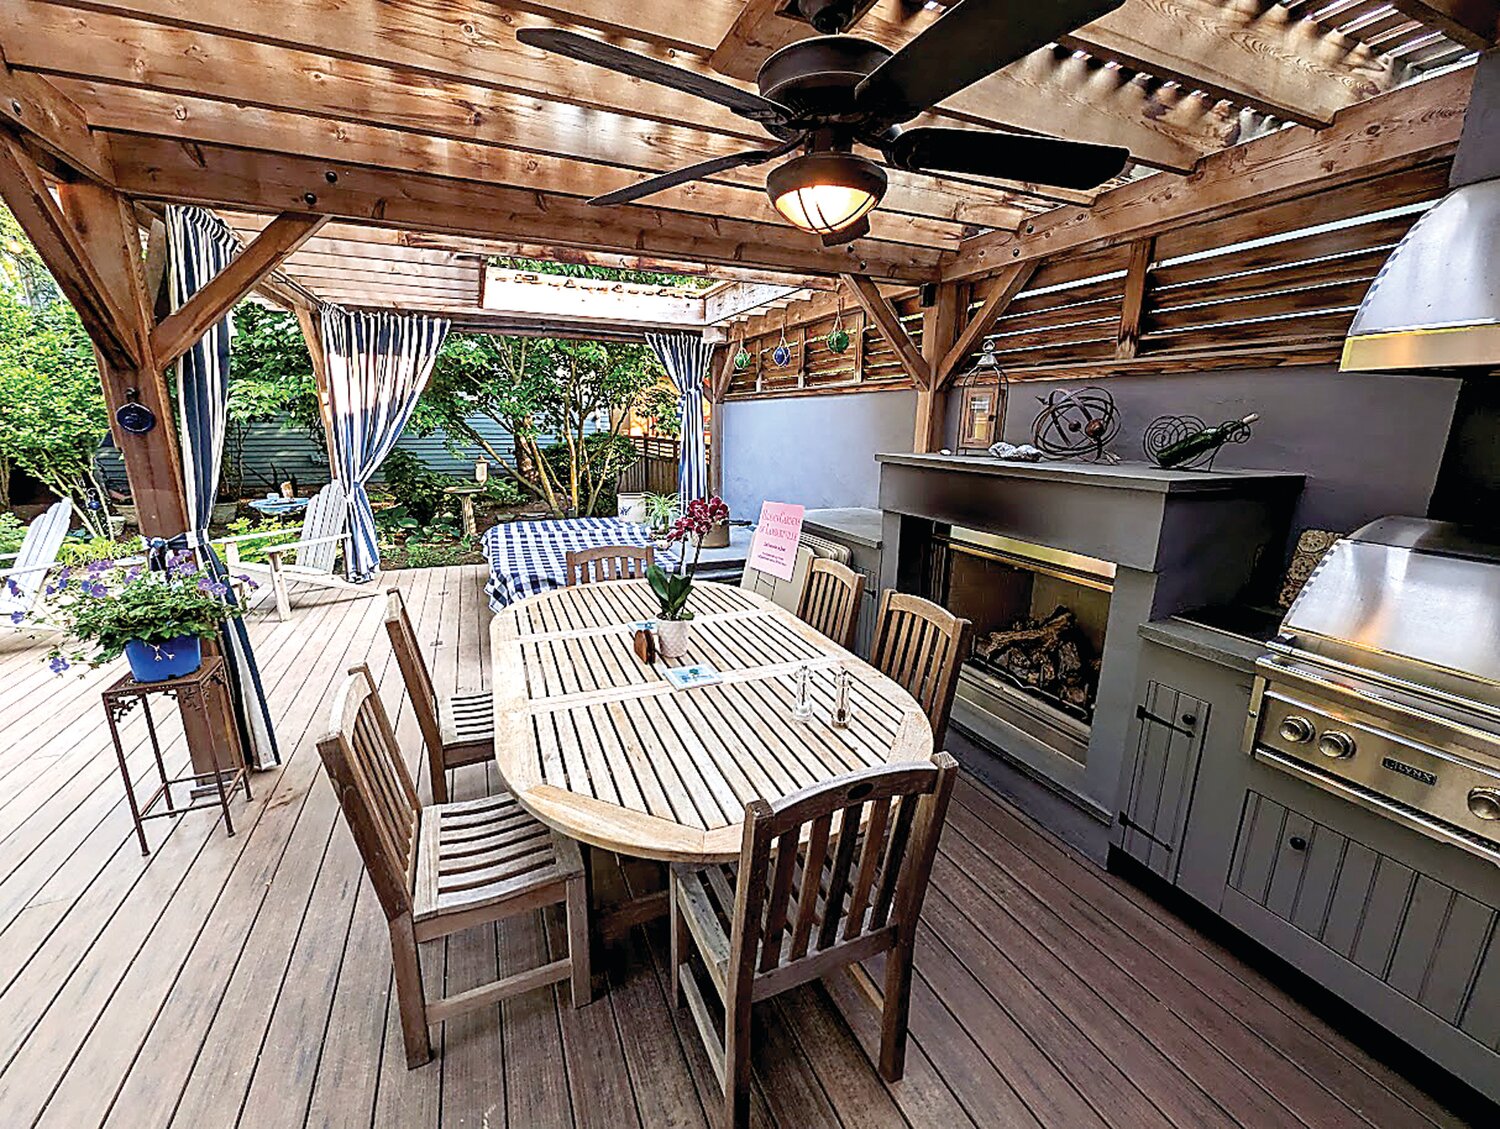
(879, 310)
(418, 74)
(154, 168)
(39, 111)
(221, 123)
(1406, 128)
(175, 334)
(1474, 23)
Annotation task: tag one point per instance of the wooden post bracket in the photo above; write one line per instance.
(1010, 283)
(884, 315)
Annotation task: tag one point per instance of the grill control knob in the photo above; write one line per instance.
(1485, 803)
(1336, 745)
(1297, 730)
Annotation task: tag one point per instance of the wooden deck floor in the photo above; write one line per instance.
(245, 981)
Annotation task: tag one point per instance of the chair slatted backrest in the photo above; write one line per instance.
(326, 517)
(38, 553)
(414, 670)
(843, 863)
(830, 602)
(608, 562)
(375, 789)
(921, 645)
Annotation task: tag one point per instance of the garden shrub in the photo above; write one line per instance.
(415, 486)
(12, 533)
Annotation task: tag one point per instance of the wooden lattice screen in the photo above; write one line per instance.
(868, 363)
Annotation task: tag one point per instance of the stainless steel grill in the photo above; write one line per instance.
(1384, 682)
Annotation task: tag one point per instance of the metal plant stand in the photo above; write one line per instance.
(205, 693)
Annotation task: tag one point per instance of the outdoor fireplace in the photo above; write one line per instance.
(1040, 617)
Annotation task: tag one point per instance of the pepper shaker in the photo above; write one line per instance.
(802, 706)
(841, 710)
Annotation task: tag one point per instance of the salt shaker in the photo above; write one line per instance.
(840, 718)
(802, 707)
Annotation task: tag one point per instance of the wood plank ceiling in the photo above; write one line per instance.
(429, 117)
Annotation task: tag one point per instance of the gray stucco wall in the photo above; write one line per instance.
(818, 451)
(1369, 444)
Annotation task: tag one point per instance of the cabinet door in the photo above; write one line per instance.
(1169, 744)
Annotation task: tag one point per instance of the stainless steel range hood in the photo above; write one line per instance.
(1435, 304)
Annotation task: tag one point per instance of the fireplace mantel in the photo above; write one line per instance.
(1178, 540)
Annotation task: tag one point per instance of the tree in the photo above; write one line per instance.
(52, 412)
(270, 381)
(563, 402)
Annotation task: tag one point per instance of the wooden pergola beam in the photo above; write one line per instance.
(157, 169)
(181, 330)
(39, 111)
(1474, 23)
(101, 301)
(1406, 128)
(884, 315)
(1005, 287)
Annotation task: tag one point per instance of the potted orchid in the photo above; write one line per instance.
(157, 619)
(702, 517)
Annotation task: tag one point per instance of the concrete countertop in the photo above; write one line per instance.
(852, 523)
(1124, 476)
(1236, 652)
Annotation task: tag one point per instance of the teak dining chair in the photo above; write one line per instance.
(827, 876)
(830, 602)
(457, 729)
(921, 645)
(446, 867)
(608, 562)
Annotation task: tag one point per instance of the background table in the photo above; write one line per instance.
(599, 746)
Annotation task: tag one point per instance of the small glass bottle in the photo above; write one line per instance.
(841, 703)
(802, 706)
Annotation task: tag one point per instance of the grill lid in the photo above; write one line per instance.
(1408, 601)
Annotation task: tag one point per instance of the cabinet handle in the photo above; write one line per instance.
(1297, 843)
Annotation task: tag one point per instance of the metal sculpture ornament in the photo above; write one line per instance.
(1187, 443)
(1077, 424)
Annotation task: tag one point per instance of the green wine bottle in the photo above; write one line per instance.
(1201, 442)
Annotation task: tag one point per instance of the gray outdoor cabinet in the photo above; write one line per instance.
(1403, 928)
(859, 530)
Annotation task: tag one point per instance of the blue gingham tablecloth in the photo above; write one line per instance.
(527, 557)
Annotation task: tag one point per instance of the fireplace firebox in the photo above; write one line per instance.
(1040, 616)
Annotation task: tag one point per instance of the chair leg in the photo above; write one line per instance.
(439, 776)
(896, 1011)
(680, 940)
(579, 939)
(278, 586)
(737, 1065)
(411, 1000)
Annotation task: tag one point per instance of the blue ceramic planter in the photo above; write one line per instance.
(157, 662)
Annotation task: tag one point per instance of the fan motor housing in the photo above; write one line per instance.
(815, 78)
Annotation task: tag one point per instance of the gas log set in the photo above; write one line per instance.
(1050, 657)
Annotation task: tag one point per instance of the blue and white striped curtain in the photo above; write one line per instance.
(686, 359)
(378, 364)
(199, 246)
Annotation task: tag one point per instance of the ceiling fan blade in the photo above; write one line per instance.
(972, 39)
(1010, 156)
(699, 171)
(613, 58)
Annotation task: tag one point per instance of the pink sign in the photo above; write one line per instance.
(774, 548)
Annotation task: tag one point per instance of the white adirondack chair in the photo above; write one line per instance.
(21, 582)
(324, 529)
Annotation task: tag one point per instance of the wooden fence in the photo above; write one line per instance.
(655, 468)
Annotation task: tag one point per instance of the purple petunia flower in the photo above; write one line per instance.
(58, 664)
(17, 618)
(133, 574)
(95, 589)
(11, 586)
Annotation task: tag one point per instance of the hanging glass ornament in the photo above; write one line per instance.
(838, 337)
(781, 356)
(741, 357)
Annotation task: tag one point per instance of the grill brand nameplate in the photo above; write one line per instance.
(1411, 770)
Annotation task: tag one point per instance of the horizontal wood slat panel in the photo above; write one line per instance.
(1300, 329)
(1260, 305)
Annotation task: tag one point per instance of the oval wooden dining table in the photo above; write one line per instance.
(602, 748)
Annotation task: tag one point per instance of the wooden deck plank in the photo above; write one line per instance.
(246, 983)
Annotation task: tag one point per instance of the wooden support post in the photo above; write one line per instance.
(1133, 305)
(311, 322)
(1005, 287)
(940, 328)
(721, 368)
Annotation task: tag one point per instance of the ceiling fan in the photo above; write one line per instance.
(826, 94)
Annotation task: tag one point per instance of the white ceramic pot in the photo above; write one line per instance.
(632, 507)
(672, 637)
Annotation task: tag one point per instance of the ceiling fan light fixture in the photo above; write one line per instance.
(826, 192)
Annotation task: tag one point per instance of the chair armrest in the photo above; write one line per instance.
(241, 537)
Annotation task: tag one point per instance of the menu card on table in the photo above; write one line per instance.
(686, 677)
(774, 547)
